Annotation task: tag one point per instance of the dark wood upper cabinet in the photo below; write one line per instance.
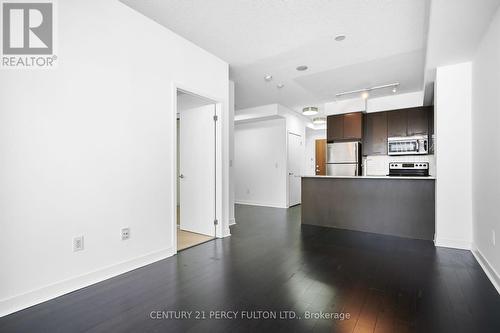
(335, 127)
(397, 123)
(375, 134)
(418, 121)
(353, 125)
(344, 127)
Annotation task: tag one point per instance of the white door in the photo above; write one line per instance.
(295, 157)
(197, 170)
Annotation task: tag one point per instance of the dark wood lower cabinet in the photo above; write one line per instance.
(389, 206)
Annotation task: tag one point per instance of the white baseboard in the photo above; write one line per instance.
(490, 272)
(453, 243)
(225, 232)
(249, 203)
(232, 221)
(19, 302)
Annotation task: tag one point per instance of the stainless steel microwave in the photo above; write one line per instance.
(408, 145)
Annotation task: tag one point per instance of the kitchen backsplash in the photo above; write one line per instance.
(379, 165)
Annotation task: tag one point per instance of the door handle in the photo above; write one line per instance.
(181, 176)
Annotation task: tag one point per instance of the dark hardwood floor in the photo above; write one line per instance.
(271, 262)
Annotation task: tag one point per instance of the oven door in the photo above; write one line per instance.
(402, 147)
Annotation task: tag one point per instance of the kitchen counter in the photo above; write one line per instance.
(396, 206)
(374, 177)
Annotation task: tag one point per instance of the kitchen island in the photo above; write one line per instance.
(396, 206)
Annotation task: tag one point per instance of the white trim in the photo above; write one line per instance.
(251, 203)
(46, 293)
(453, 243)
(232, 221)
(488, 269)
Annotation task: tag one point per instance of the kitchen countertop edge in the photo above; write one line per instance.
(373, 177)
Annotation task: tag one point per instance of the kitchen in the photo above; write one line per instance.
(376, 174)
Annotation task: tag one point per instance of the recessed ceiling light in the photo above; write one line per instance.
(365, 95)
(310, 111)
(340, 38)
(280, 85)
(268, 78)
(302, 68)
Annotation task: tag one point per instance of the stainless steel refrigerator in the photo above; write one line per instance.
(343, 159)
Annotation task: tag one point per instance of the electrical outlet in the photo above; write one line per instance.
(493, 237)
(78, 244)
(125, 233)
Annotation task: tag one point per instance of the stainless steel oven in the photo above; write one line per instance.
(408, 145)
(413, 169)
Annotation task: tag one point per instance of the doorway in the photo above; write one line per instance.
(196, 175)
(295, 158)
(320, 157)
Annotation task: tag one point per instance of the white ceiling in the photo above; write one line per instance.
(455, 30)
(385, 43)
(457, 40)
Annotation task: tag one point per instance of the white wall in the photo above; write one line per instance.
(294, 123)
(87, 148)
(260, 163)
(258, 112)
(396, 101)
(310, 154)
(486, 146)
(453, 156)
(376, 104)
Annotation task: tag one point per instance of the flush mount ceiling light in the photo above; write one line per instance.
(340, 38)
(280, 85)
(365, 93)
(310, 111)
(268, 77)
(302, 68)
(319, 120)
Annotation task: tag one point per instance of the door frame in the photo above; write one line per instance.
(219, 229)
(288, 165)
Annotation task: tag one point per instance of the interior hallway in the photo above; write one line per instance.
(272, 262)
